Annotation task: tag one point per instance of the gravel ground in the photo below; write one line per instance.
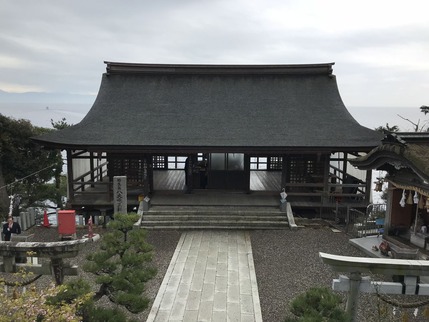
(287, 263)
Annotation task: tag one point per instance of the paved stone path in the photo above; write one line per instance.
(211, 277)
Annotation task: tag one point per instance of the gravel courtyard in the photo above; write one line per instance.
(286, 262)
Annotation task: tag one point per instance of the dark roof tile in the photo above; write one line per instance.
(207, 109)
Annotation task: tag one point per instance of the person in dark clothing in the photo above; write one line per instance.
(10, 228)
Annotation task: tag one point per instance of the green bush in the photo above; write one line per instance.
(87, 311)
(317, 305)
(97, 314)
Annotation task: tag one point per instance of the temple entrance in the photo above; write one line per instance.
(218, 171)
(227, 171)
(215, 171)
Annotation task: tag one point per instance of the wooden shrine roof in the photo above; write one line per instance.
(161, 107)
(398, 151)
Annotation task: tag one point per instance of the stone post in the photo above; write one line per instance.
(9, 264)
(57, 266)
(352, 300)
(283, 202)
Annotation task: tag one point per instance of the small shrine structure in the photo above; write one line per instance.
(405, 158)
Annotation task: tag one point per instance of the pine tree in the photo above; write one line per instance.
(316, 305)
(123, 265)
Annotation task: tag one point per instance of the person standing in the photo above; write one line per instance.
(10, 228)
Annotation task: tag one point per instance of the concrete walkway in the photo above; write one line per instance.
(211, 277)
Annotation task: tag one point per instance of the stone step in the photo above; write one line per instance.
(213, 223)
(208, 227)
(214, 217)
(208, 210)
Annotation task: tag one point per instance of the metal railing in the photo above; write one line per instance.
(370, 222)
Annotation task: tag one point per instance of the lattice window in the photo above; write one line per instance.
(131, 168)
(258, 163)
(265, 163)
(296, 170)
(175, 162)
(275, 163)
(159, 162)
(304, 169)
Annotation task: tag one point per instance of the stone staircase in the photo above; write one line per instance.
(214, 217)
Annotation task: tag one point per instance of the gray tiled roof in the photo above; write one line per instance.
(409, 149)
(209, 106)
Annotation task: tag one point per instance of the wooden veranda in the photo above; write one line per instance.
(170, 189)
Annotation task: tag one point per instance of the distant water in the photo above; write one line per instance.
(41, 114)
(373, 117)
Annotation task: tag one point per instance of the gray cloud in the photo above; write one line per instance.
(60, 46)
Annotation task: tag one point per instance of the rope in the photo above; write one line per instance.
(30, 175)
(402, 305)
(20, 284)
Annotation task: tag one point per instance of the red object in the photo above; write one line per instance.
(46, 220)
(67, 222)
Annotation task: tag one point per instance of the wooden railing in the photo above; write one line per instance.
(80, 184)
(340, 191)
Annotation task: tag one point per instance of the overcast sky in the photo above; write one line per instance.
(380, 47)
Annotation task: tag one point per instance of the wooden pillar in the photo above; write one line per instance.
(368, 183)
(326, 179)
(389, 207)
(70, 179)
(344, 165)
(100, 170)
(247, 172)
(284, 172)
(189, 165)
(146, 181)
(91, 168)
(150, 172)
(110, 174)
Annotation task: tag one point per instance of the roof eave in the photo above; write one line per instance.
(203, 149)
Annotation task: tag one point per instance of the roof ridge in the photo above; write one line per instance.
(292, 69)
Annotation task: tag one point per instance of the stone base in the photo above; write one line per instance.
(94, 237)
(419, 239)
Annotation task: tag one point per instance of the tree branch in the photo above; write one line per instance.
(101, 292)
(416, 126)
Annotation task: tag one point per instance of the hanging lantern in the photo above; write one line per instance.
(416, 197)
(421, 202)
(378, 185)
(410, 198)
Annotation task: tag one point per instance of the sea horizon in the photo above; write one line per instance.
(40, 114)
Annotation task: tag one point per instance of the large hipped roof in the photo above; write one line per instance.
(147, 106)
